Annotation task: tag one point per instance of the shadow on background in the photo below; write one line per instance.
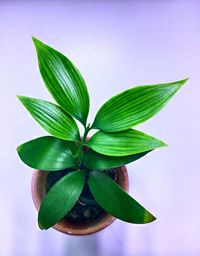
(109, 242)
(83, 246)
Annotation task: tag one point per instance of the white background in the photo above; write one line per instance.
(115, 45)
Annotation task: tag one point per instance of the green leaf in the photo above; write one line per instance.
(114, 200)
(123, 143)
(134, 106)
(52, 118)
(96, 161)
(63, 80)
(49, 153)
(60, 199)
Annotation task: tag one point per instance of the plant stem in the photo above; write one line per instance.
(87, 128)
(83, 140)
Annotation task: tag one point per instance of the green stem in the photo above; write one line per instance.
(83, 140)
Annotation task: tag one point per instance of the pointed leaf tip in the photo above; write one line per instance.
(18, 148)
(180, 83)
(150, 218)
(36, 41)
(40, 226)
(33, 38)
(20, 97)
(185, 80)
(163, 144)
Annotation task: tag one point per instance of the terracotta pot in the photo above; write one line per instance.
(39, 191)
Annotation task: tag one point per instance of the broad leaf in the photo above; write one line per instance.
(123, 143)
(49, 153)
(134, 106)
(96, 161)
(60, 199)
(113, 199)
(63, 81)
(52, 118)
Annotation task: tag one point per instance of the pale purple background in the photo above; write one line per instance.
(116, 45)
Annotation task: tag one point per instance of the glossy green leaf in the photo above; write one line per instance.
(96, 161)
(60, 199)
(123, 143)
(52, 118)
(49, 153)
(63, 81)
(134, 106)
(114, 200)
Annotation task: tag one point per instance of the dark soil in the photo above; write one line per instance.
(86, 209)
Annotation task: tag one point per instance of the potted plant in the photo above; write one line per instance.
(81, 183)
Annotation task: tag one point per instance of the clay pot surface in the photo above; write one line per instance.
(39, 191)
